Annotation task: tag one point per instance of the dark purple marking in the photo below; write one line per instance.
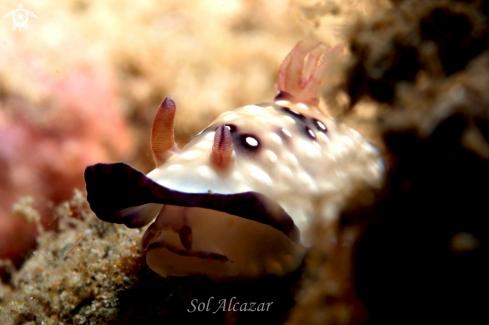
(320, 126)
(240, 142)
(310, 133)
(282, 95)
(287, 140)
(289, 111)
(231, 127)
(114, 188)
(250, 142)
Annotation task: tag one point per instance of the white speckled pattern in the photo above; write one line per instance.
(289, 166)
(287, 151)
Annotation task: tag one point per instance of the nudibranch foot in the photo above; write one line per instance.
(215, 234)
(223, 245)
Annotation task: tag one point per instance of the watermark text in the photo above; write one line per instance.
(233, 305)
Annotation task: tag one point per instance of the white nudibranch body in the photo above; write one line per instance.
(238, 200)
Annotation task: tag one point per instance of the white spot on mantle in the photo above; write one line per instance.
(230, 117)
(290, 119)
(292, 160)
(174, 167)
(253, 109)
(311, 133)
(204, 145)
(210, 136)
(275, 138)
(189, 155)
(260, 175)
(282, 102)
(287, 132)
(321, 125)
(284, 170)
(206, 172)
(272, 156)
(237, 176)
(251, 141)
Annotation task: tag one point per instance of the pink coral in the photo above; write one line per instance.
(45, 144)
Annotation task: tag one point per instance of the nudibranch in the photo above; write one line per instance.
(237, 201)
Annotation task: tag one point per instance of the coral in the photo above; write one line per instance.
(70, 90)
(90, 271)
(74, 93)
(392, 49)
(44, 147)
(75, 272)
(413, 251)
(432, 212)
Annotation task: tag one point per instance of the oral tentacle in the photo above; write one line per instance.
(162, 135)
(222, 148)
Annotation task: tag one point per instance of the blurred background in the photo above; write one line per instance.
(82, 84)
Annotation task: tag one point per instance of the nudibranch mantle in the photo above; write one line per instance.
(237, 201)
(289, 155)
